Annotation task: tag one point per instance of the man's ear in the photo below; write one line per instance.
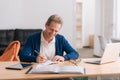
(46, 25)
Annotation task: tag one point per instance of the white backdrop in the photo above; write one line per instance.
(34, 13)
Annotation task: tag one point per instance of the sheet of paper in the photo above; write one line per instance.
(49, 62)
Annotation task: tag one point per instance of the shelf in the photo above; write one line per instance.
(78, 38)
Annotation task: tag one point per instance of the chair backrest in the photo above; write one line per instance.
(102, 41)
(11, 52)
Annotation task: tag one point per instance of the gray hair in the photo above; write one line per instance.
(56, 18)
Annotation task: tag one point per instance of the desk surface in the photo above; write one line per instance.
(91, 70)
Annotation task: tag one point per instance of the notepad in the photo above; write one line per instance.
(57, 69)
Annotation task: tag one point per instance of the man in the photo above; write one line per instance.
(48, 44)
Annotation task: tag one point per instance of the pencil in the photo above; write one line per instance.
(36, 51)
(28, 70)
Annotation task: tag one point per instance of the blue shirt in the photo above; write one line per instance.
(33, 43)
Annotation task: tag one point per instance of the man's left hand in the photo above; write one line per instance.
(58, 58)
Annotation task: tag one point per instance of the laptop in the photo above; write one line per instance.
(110, 54)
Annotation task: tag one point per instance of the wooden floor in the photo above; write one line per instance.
(88, 53)
(85, 52)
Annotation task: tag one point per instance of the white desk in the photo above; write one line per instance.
(91, 70)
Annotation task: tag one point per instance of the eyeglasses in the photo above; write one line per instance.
(75, 61)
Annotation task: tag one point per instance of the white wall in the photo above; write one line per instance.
(103, 23)
(11, 13)
(117, 18)
(88, 20)
(34, 13)
(98, 18)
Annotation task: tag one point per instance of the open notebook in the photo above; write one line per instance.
(47, 67)
(111, 54)
(56, 69)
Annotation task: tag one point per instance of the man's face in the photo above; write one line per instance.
(52, 29)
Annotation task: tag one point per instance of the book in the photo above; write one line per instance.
(57, 69)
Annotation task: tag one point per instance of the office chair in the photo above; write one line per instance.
(102, 42)
(11, 52)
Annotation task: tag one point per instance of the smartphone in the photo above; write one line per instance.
(19, 66)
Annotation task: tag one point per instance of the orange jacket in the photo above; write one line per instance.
(11, 52)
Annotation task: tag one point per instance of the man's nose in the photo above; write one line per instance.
(53, 32)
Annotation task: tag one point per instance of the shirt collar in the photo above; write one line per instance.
(43, 39)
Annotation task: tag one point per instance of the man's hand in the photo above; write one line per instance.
(41, 59)
(58, 58)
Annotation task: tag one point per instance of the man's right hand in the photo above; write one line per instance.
(41, 59)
